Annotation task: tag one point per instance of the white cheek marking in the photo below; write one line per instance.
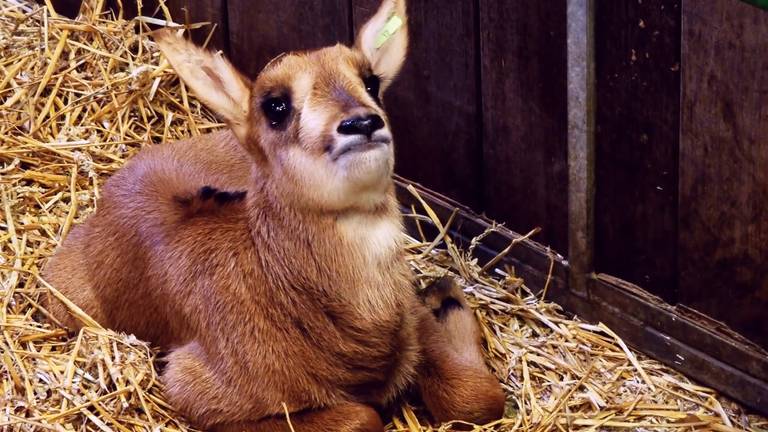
(302, 85)
(313, 123)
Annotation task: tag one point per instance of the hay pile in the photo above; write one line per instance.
(78, 98)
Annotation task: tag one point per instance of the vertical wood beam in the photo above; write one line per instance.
(581, 142)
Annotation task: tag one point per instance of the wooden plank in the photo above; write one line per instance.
(638, 129)
(530, 259)
(715, 358)
(711, 338)
(260, 30)
(679, 354)
(581, 142)
(434, 105)
(724, 164)
(525, 171)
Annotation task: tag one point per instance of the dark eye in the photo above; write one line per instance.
(372, 84)
(276, 109)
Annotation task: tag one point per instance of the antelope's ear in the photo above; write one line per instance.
(384, 39)
(210, 76)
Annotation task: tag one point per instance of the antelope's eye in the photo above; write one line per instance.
(372, 83)
(276, 109)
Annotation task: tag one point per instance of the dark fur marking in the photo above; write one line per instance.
(207, 192)
(228, 197)
(207, 199)
(448, 304)
(184, 202)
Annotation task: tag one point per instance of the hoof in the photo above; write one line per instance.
(443, 296)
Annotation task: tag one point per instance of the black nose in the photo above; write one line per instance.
(361, 125)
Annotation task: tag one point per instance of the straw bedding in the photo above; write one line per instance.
(79, 98)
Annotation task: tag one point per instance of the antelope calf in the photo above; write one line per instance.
(266, 259)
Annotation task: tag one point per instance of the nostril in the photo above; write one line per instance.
(376, 122)
(349, 126)
(361, 125)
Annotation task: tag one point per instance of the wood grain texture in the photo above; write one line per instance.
(260, 30)
(434, 105)
(580, 80)
(706, 335)
(724, 164)
(657, 343)
(525, 172)
(638, 129)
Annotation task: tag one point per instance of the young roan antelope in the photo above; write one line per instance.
(266, 260)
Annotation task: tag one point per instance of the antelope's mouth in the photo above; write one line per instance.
(358, 144)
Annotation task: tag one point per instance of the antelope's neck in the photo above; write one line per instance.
(371, 234)
(342, 249)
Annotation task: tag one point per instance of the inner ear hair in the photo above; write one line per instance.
(383, 39)
(210, 76)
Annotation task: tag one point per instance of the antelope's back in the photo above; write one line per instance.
(115, 265)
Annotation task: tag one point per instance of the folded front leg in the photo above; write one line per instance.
(349, 417)
(454, 381)
(193, 388)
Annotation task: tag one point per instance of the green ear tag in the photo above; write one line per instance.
(390, 28)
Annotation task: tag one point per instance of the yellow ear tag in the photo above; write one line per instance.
(390, 28)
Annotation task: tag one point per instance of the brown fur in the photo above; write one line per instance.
(297, 292)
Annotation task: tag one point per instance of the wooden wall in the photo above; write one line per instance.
(636, 143)
(682, 154)
(480, 113)
(524, 144)
(723, 228)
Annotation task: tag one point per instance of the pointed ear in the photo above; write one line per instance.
(384, 39)
(211, 77)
